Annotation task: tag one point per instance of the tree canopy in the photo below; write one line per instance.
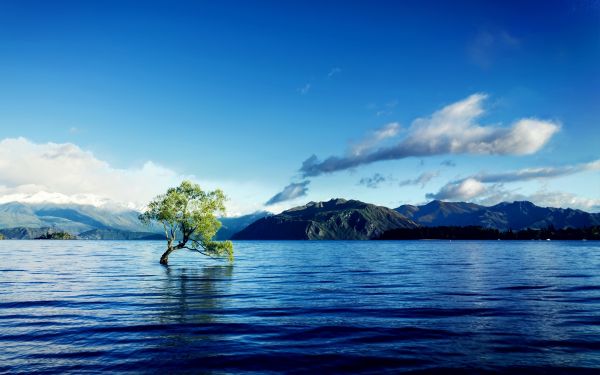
(189, 217)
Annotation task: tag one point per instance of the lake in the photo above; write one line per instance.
(301, 307)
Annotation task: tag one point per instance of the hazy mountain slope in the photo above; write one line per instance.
(337, 219)
(71, 218)
(16, 214)
(94, 217)
(232, 225)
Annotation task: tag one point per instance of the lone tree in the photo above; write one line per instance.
(188, 215)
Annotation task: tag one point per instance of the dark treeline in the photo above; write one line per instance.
(50, 235)
(480, 233)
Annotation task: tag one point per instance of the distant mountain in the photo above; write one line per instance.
(232, 225)
(29, 221)
(337, 219)
(503, 216)
(69, 217)
(32, 220)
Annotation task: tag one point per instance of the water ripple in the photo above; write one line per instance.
(419, 307)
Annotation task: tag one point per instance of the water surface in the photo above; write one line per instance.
(301, 307)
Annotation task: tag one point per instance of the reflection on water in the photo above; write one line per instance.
(193, 293)
(304, 307)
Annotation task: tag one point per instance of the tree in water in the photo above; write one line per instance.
(188, 216)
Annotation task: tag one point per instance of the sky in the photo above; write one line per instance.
(281, 103)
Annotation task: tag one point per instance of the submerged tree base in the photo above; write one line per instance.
(164, 259)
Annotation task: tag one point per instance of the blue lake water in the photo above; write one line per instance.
(301, 307)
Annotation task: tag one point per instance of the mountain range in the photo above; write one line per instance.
(503, 216)
(31, 220)
(334, 219)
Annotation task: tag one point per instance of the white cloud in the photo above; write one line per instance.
(66, 169)
(451, 130)
(65, 173)
(463, 190)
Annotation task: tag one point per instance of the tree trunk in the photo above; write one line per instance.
(164, 259)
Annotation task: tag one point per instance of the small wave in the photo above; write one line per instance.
(524, 287)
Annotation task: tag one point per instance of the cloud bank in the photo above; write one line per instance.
(487, 188)
(474, 186)
(462, 190)
(451, 130)
(292, 191)
(65, 172)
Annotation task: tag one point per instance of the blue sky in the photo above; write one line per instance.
(239, 95)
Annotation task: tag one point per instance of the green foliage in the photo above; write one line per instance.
(188, 215)
(1, 237)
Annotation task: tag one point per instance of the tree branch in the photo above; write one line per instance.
(201, 252)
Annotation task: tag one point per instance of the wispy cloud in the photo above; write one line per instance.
(292, 191)
(333, 72)
(421, 180)
(372, 182)
(451, 130)
(489, 186)
(487, 46)
(536, 173)
(383, 109)
(375, 138)
(304, 89)
(448, 163)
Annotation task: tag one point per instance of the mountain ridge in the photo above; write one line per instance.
(334, 219)
(516, 215)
